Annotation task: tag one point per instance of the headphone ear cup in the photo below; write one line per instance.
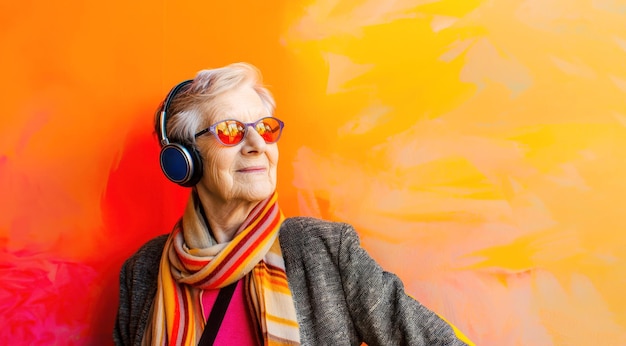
(197, 172)
(181, 165)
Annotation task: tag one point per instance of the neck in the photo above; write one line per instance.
(224, 217)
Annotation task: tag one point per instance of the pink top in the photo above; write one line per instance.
(237, 327)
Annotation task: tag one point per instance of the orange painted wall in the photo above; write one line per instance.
(479, 147)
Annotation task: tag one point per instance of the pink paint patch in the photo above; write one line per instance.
(44, 300)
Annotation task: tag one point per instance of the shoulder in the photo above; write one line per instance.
(309, 232)
(154, 247)
(304, 228)
(147, 257)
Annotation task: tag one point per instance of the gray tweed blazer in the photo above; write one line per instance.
(342, 296)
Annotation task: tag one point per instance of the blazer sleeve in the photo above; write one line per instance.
(380, 309)
(138, 285)
(121, 330)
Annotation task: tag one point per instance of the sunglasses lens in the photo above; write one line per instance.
(269, 129)
(230, 132)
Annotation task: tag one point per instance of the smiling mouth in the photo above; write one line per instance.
(252, 170)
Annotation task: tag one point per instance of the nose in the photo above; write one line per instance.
(253, 142)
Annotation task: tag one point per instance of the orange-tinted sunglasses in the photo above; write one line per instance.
(232, 132)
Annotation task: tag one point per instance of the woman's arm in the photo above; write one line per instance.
(138, 284)
(121, 330)
(381, 310)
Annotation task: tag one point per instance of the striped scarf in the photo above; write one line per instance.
(192, 262)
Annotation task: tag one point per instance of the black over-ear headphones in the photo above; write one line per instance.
(181, 164)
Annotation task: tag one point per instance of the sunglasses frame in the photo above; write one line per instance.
(212, 128)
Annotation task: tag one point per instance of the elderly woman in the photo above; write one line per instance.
(234, 271)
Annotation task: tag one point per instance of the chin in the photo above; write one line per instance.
(258, 194)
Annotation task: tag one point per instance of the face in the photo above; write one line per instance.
(245, 172)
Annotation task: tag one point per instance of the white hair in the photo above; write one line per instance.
(185, 114)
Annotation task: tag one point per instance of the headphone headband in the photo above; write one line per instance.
(166, 104)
